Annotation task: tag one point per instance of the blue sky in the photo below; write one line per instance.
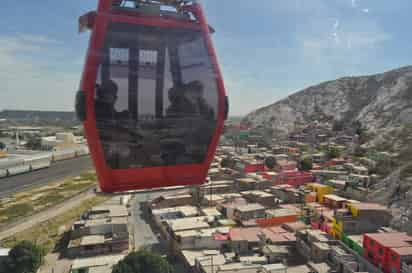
(267, 49)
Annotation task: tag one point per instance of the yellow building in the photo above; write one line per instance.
(320, 189)
(337, 228)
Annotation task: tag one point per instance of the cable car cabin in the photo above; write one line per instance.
(152, 97)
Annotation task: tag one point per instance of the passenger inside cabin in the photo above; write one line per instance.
(188, 100)
(116, 140)
(106, 96)
(194, 94)
(192, 112)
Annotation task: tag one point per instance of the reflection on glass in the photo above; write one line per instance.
(156, 97)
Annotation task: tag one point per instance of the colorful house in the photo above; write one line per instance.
(388, 251)
(253, 166)
(285, 165)
(294, 178)
(355, 242)
(277, 217)
(320, 189)
(334, 201)
(359, 218)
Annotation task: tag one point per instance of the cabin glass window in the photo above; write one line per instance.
(156, 97)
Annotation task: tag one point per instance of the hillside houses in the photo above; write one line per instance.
(278, 218)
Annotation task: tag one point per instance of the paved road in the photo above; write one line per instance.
(57, 171)
(143, 235)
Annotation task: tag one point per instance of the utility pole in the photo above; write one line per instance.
(213, 270)
(17, 137)
(404, 220)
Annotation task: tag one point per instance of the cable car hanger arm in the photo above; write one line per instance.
(178, 4)
(86, 21)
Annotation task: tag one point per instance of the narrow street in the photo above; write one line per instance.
(143, 234)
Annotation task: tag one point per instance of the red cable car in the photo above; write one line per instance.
(152, 97)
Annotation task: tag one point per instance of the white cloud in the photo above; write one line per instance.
(336, 24)
(15, 44)
(367, 39)
(365, 10)
(37, 39)
(341, 55)
(354, 39)
(354, 3)
(31, 83)
(335, 34)
(336, 38)
(349, 44)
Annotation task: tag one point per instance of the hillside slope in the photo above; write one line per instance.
(382, 101)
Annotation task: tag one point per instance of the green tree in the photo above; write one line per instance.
(338, 126)
(270, 162)
(357, 125)
(333, 152)
(2, 146)
(227, 162)
(359, 151)
(361, 131)
(143, 262)
(25, 257)
(305, 163)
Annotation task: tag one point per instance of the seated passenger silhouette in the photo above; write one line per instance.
(178, 105)
(194, 94)
(118, 141)
(106, 96)
(188, 100)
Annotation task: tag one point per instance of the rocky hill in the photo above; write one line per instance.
(381, 104)
(382, 101)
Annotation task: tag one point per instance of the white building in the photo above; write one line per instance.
(51, 142)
